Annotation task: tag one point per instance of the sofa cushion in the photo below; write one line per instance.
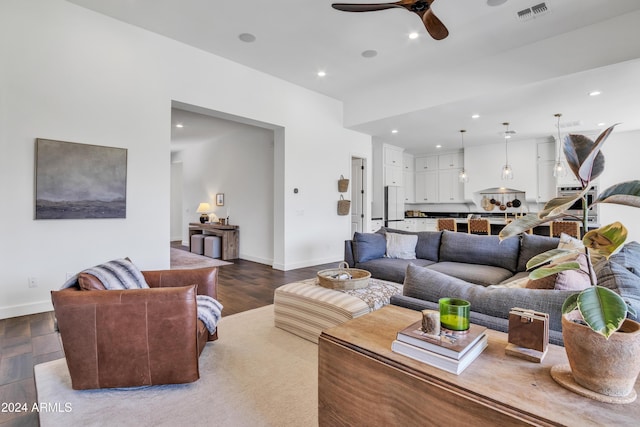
(483, 275)
(428, 246)
(477, 249)
(389, 269)
(532, 245)
(619, 279)
(430, 285)
(367, 246)
(629, 257)
(402, 246)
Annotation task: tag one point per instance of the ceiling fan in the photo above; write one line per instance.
(422, 8)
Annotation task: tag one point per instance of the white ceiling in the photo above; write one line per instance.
(492, 63)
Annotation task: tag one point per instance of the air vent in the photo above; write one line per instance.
(571, 124)
(533, 11)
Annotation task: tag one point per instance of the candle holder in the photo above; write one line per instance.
(454, 314)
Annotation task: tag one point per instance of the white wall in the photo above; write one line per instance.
(621, 152)
(71, 74)
(175, 196)
(238, 164)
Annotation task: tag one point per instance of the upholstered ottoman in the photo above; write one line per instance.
(197, 244)
(305, 308)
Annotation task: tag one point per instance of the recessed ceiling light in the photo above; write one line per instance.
(495, 2)
(475, 116)
(601, 124)
(438, 146)
(247, 37)
(394, 131)
(321, 73)
(413, 35)
(594, 93)
(179, 125)
(370, 53)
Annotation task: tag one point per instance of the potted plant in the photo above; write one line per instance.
(595, 327)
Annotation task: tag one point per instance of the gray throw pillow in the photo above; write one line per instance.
(428, 246)
(368, 246)
(619, 279)
(629, 257)
(532, 245)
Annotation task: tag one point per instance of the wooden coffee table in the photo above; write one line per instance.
(362, 382)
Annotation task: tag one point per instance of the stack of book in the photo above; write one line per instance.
(452, 353)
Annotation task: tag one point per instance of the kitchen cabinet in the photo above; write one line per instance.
(393, 176)
(410, 224)
(450, 189)
(450, 161)
(393, 156)
(428, 163)
(427, 187)
(376, 224)
(408, 162)
(545, 179)
(408, 178)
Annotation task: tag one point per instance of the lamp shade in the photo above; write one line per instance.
(203, 208)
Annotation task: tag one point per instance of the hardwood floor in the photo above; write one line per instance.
(28, 340)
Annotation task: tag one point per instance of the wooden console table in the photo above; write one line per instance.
(362, 382)
(229, 235)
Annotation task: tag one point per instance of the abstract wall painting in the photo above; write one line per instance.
(79, 181)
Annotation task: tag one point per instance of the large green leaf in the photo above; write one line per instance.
(542, 272)
(625, 193)
(605, 240)
(590, 167)
(553, 255)
(602, 309)
(558, 206)
(577, 148)
(520, 225)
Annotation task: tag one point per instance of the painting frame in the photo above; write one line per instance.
(79, 181)
(220, 199)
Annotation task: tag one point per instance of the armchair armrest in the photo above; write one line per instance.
(205, 278)
(128, 338)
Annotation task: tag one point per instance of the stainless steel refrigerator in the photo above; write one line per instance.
(393, 206)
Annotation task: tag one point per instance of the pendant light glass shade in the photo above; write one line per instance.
(462, 175)
(507, 172)
(559, 169)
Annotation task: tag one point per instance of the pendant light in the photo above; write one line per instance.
(462, 175)
(559, 170)
(507, 172)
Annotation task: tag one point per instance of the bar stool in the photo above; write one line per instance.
(572, 228)
(479, 226)
(446, 224)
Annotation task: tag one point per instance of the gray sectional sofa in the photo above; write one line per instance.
(450, 264)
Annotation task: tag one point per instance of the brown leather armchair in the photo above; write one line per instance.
(135, 337)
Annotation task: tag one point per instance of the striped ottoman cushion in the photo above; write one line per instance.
(305, 309)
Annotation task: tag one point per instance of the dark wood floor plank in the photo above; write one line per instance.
(16, 368)
(44, 344)
(18, 392)
(17, 327)
(15, 346)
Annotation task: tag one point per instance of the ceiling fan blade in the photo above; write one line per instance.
(434, 26)
(371, 7)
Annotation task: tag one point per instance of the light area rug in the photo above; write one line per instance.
(181, 260)
(254, 375)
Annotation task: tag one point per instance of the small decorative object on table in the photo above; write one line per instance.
(528, 334)
(343, 277)
(431, 322)
(454, 314)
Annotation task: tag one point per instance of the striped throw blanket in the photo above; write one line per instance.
(123, 274)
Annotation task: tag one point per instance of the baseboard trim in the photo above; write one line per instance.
(25, 309)
(256, 259)
(308, 263)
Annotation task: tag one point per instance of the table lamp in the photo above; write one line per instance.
(203, 210)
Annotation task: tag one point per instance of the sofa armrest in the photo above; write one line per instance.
(205, 278)
(127, 338)
(348, 253)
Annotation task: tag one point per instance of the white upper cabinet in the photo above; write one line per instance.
(450, 189)
(450, 161)
(408, 162)
(428, 163)
(393, 156)
(393, 176)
